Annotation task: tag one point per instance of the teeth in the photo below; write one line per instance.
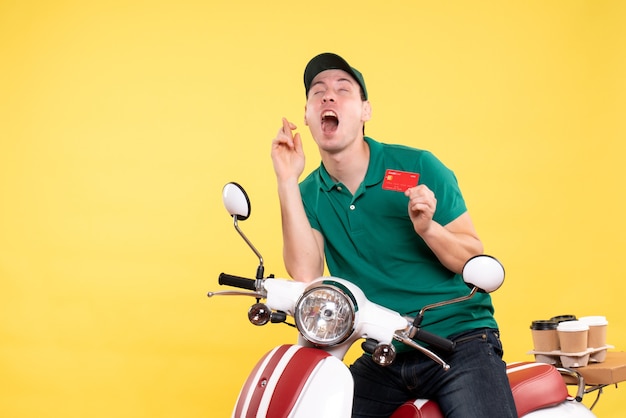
(329, 113)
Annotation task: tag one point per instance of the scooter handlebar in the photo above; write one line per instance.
(237, 281)
(435, 340)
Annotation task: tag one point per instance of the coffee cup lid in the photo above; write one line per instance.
(594, 320)
(543, 324)
(561, 318)
(572, 326)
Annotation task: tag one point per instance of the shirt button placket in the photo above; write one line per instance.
(355, 219)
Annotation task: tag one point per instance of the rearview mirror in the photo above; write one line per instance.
(236, 201)
(484, 272)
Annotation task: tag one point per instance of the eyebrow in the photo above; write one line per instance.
(316, 83)
(339, 80)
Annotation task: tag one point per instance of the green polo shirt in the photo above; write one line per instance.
(369, 239)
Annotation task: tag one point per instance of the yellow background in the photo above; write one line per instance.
(120, 121)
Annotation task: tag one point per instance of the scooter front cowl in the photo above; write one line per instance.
(296, 381)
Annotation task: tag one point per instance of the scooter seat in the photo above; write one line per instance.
(534, 386)
(419, 408)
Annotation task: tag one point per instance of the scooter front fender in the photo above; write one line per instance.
(296, 381)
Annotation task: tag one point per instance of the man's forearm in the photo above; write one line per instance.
(455, 243)
(301, 251)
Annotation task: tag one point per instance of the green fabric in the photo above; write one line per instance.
(369, 239)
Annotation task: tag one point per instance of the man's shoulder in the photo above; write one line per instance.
(312, 178)
(404, 154)
(397, 148)
(310, 183)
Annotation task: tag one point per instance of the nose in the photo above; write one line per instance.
(328, 96)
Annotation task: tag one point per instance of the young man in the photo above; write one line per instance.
(404, 246)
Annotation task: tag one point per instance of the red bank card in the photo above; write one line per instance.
(399, 181)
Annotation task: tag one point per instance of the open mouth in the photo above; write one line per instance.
(330, 121)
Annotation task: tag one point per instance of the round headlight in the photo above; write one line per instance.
(324, 315)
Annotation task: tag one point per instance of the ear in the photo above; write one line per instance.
(367, 111)
(305, 122)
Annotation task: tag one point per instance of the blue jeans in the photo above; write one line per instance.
(475, 386)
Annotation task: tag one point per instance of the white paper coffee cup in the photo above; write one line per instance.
(597, 330)
(573, 336)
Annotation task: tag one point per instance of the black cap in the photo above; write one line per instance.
(330, 61)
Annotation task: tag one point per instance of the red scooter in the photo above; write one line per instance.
(308, 379)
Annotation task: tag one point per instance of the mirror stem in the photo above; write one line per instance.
(447, 302)
(260, 269)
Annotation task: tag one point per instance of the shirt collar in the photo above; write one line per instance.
(375, 168)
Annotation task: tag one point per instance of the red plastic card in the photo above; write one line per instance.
(400, 181)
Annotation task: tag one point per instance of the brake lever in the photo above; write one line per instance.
(408, 341)
(257, 295)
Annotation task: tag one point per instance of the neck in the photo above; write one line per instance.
(350, 165)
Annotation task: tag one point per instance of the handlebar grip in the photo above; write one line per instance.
(237, 281)
(435, 340)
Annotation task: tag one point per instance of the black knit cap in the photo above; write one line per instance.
(330, 61)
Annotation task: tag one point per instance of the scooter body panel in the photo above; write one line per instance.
(567, 409)
(296, 381)
(428, 409)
